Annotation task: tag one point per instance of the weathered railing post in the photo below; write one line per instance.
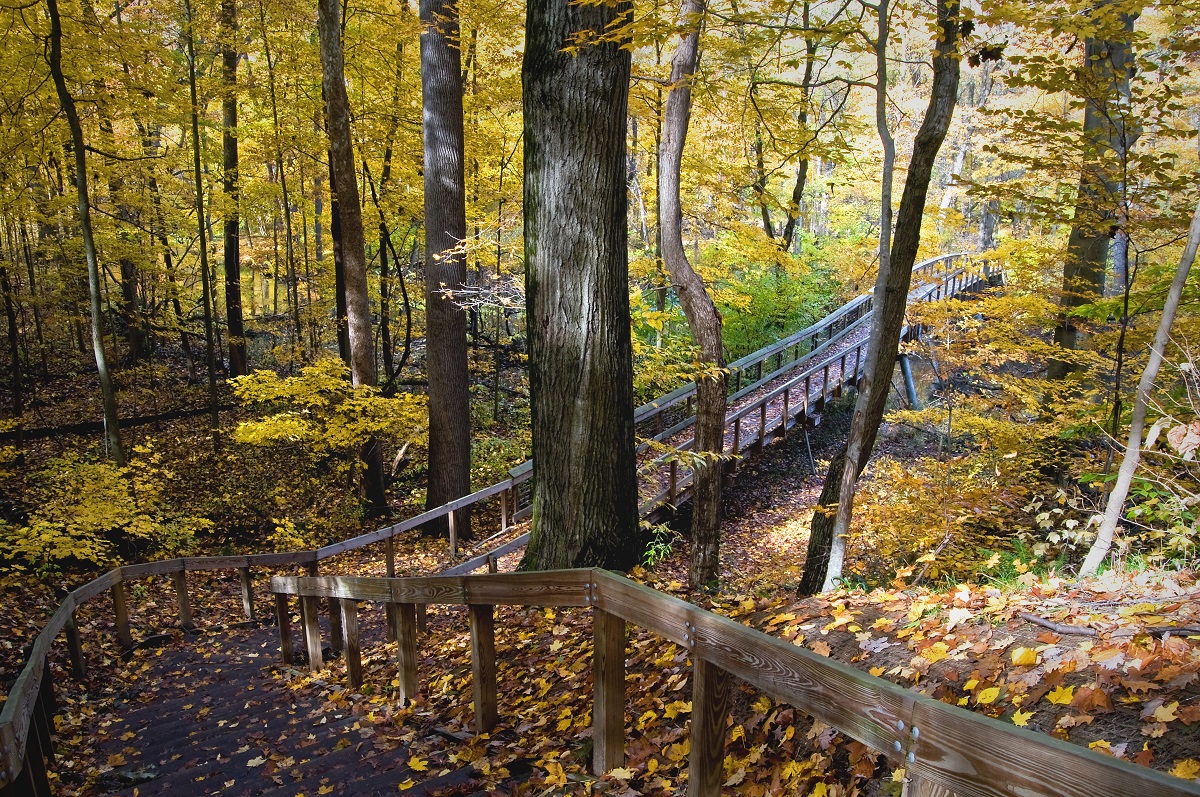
(783, 425)
(710, 704)
(33, 772)
(405, 615)
(389, 609)
(121, 616)
(283, 619)
(310, 608)
(673, 486)
(608, 678)
(349, 612)
(483, 664)
(336, 638)
(181, 598)
(75, 647)
(247, 583)
(453, 535)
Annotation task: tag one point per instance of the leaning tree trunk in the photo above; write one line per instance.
(445, 260)
(1133, 451)
(829, 528)
(577, 290)
(702, 316)
(238, 365)
(112, 432)
(354, 262)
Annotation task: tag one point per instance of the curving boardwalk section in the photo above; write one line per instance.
(773, 390)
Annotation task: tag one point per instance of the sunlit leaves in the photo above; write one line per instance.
(319, 408)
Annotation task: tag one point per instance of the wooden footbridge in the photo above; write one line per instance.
(943, 750)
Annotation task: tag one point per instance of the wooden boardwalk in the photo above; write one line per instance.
(228, 708)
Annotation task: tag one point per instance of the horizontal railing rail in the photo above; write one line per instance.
(26, 719)
(943, 749)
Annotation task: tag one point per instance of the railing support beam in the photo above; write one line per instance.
(710, 705)
(121, 616)
(919, 787)
(75, 647)
(247, 583)
(349, 612)
(483, 665)
(608, 677)
(405, 615)
(310, 608)
(283, 619)
(185, 604)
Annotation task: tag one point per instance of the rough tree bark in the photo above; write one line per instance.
(445, 260)
(1141, 402)
(238, 364)
(349, 211)
(577, 289)
(702, 316)
(1105, 77)
(830, 528)
(112, 432)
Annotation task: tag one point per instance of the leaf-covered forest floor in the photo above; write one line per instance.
(1095, 663)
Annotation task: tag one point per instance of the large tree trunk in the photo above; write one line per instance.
(577, 290)
(238, 365)
(349, 213)
(1141, 402)
(1105, 80)
(830, 528)
(445, 259)
(112, 431)
(702, 316)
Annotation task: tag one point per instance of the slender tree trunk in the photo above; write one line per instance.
(830, 528)
(206, 281)
(1133, 450)
(702, 316)
(14, 346)
(112, 430)
(345, 187)
(445, 259)
(810, 62)
(339, 269)
(238, 364)
(34, 299)
(577, 290)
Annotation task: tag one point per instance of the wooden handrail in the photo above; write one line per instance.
(940, 746)
(25, 696)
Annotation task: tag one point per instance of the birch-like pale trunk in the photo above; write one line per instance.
(1141, 402)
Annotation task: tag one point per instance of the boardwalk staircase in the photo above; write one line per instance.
(222, 716)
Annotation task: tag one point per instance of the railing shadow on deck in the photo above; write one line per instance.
(26, 720)
(944, 750)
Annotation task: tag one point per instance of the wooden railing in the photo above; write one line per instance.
(26, 720)
(819, 376)
(943, 749)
